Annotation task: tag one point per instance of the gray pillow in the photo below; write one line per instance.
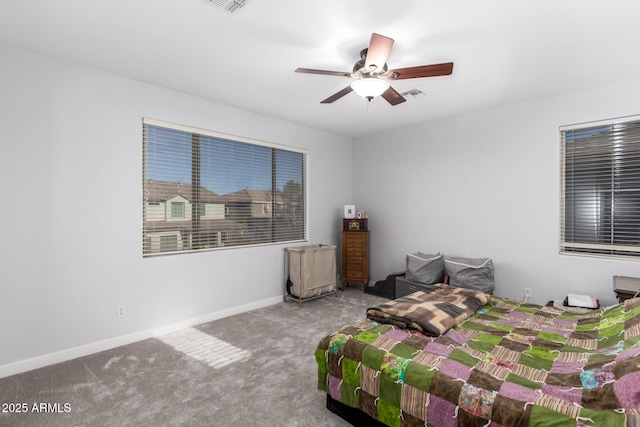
(472, 273)
(425, 268)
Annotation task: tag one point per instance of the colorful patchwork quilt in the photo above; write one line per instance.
(509, 364)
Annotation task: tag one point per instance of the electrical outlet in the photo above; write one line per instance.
(527, 293)
(121, 312)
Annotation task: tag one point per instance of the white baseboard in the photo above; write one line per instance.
(98, 346)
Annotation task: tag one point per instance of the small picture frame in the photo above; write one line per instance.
(349, 211)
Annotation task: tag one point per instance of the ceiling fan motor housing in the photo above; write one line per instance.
(358, 67)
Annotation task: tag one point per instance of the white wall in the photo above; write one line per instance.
(71, 224)
(486, 185)
(70, 168)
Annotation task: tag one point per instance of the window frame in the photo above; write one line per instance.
(597, 187)
(174, 210)
(274, 227)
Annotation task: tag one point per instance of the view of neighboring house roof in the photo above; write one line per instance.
(161, 191)
(251, 196)
(206, 225)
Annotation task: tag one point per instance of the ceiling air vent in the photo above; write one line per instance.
(413, 93)
(229, 5)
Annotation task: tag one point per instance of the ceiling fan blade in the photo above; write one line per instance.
(434, 70)
(392, 96)
(323, 72)
(337, 95)
(378, 52)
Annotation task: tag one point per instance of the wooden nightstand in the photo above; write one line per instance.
(355, 258)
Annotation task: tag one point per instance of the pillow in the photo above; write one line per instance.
(425, 268)
(471, 273)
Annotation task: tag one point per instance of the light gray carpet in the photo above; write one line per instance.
(151, 383)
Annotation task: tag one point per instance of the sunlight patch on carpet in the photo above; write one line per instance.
(204, 347)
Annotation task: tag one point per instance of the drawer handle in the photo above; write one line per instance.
(413, 288)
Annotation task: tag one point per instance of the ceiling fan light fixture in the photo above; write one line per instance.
(369, 87)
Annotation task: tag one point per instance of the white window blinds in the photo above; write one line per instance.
(204, 190)
(600, 197)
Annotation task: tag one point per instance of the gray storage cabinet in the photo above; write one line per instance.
(405, 287)
(311, 273)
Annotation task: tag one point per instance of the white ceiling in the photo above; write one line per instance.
(505, 51)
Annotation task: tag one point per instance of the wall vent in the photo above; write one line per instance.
(229, 5)
(413, 93)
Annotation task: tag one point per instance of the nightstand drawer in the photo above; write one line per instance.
(354, 251)
(355, 272)
(353, 261)
(353, 242)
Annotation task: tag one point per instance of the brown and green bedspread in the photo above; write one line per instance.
(509, 364)
(433, 312)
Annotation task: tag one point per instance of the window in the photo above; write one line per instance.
(209, 190)
(177, 210)
(168, 243)
(600, 197)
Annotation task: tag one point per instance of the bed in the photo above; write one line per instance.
(457, 357)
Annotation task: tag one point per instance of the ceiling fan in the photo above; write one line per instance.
(372, 74)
